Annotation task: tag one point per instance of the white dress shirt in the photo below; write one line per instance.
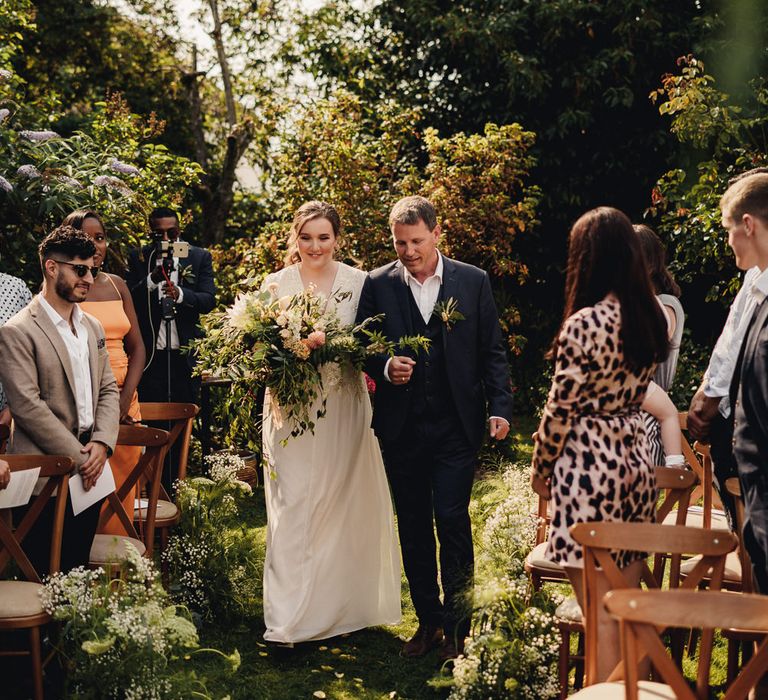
(151, 286)
(722, 364)
(76, 344)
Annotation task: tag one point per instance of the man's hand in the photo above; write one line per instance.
(157, 275)
(540, 486)
(5, 474)
(701, 413)
(400, 369)
(171, 290)
(5, 416)
(498, 428)
(91, 469)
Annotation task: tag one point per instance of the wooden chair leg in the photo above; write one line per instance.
(578, 681)
(733, 660)
(37, 663)
(563, 660)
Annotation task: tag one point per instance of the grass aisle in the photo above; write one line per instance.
(365, 664)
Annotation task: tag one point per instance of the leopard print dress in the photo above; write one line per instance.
(591, 439)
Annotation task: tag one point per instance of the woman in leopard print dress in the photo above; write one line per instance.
(591, 453)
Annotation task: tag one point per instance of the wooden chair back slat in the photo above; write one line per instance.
(148, 468)
(57, 470)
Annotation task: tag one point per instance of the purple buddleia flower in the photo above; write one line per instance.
(39, 136)
(124, 168)
(5, 185)
(4, 114)
(69, 181)
(5, 74)
(28, 171)
(113, 183)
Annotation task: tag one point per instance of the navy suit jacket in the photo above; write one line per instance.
(199, 295)
(749, 399)
(475, 355)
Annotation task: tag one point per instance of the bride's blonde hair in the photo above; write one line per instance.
(307, 212)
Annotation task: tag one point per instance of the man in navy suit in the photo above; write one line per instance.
(191, 287)
(430, 412)
(744, 208)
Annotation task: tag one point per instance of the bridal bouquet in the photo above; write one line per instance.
(281, 343)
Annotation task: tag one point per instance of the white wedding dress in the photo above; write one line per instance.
(333, 563)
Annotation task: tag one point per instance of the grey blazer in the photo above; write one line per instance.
(36, 373)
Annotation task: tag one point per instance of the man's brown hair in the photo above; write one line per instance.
(748, 195)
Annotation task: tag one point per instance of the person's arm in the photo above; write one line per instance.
(5, 474)
(366, 308)
(571, 368)
(134, 348)
(19, 375)
(493, 362)
(202, 298)
(660, 406)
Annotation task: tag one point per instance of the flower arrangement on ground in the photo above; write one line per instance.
(122, 638)
(513, 651)
(214, 564)
(281, 343)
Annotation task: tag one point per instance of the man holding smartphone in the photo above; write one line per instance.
(172, 284)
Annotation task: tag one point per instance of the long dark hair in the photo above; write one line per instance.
(656, 261)
(76, 218)
(604, 256)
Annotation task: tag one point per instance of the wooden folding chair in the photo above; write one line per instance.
(740, 642)
(5, 433)
(698, 458)
(601, 539)
(180, 417)
(108, 550)
(642, 614)
(20, 606)
(674, 485)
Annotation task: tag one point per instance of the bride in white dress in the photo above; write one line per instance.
(333, 563)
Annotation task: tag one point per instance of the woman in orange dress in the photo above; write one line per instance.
(109, 300)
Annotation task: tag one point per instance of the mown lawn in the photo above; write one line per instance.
(364, 664)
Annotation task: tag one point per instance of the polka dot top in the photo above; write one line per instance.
(14, 296)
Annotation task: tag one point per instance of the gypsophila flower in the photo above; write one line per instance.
(28, 171)
(4, 114)
(5, 185)
(39, 136)
(123, 168)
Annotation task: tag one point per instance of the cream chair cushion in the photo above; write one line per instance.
(165, 511)
(646, 690)
(537, 559)
(732, 566)
(569, 610)
(695, 518)
(109, 549)
(20, 599)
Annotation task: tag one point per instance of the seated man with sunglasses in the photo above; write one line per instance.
(55, 370)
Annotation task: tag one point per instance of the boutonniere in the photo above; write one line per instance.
(187, 275)
(448, 312)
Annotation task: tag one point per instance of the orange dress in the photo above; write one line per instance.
(116, 326)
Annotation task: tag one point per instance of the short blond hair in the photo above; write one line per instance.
(748, 195)
(411, 210)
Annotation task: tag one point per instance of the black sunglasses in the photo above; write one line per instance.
(80, 270)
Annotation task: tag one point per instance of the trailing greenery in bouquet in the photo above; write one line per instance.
(122, 638)
(281, 343)
(215, 567)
